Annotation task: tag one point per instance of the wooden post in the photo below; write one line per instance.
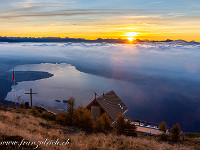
(31, 96)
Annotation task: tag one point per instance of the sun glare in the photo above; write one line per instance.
(130, 38)
(131, 35)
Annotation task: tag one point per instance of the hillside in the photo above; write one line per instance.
(6, 79)
(26, 126)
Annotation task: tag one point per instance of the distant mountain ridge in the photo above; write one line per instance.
(79, 40)
(4, 39)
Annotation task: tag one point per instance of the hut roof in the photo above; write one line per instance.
(111, 104)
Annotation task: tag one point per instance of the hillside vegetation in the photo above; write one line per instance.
(26, 126)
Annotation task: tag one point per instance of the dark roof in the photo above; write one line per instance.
(111, 104)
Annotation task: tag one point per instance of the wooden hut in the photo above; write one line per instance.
(108, 103)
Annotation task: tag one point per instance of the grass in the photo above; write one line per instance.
(31, 125)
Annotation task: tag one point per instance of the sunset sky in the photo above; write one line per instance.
(92, 19)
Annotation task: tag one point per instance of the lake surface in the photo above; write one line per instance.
(67, 82)
(157, 82)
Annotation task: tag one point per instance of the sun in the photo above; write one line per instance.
(131, 35)
(130, 38)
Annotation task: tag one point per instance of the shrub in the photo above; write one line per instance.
(35, 113)
(39, 109)
(103, 124)
(76, 117)
(175, 132)
(62, 119)
(163, 126)
(124, 126)
(86, 121)
(82, 118)
(164, 137)
(130, 129)
(99, 125)
(48, 116)
(107, 122)
(120, 124)
(22, 105)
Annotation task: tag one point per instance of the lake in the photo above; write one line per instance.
(158, 82)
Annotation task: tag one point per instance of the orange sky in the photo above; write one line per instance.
(152, 20)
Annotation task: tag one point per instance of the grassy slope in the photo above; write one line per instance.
(25, 124)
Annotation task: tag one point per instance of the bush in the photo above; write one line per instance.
(163, 126)
(48, 116)
(86, 121)
(39, 109)
(124, 126)
(164, 137)
(175, 133)
(62, 119)
(130, 129)
(107, 122)
(22, 105)
(35, 113)
(120, 124)
(99, 125)
(76, 117)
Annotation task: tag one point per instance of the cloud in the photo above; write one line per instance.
(97, 46)
(34, 12)
(47, 3)
(191, 3)
(156, 2)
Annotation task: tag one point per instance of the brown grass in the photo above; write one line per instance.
(31, 128)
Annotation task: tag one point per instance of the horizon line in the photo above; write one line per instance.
(124, 39)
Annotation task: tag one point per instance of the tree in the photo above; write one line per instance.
(86, 122)
(130, 129)
(163, 126)
(103, 123)
(107, 122)
(124, 126)
(175, 132)
(77, 116)
(70, 105)
(120, 124)
(99, 125)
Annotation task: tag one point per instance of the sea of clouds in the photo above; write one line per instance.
(151, 58)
